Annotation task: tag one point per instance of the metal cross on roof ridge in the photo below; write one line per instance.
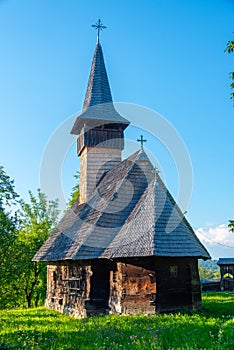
(99, 26)
(141, 140)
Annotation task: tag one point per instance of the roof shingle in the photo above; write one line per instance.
(131, 214)
(98, 104)
(225, 261)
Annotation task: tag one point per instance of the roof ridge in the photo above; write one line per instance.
(132, 158)
(109, 173)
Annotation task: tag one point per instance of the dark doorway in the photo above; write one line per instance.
(100, 285)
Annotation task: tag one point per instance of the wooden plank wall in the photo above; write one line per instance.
(146, 285)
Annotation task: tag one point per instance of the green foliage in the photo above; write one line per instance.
(21, 235)
(8, 266)
(38, 219)
(209, 264)
(46, 329)
(7, 189)
(229, 49)
(208, 269)
(230, 46)
(208, 274)
(8, 234)
(231, 225)
(75, 191)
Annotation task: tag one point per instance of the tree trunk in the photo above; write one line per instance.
(29, 299)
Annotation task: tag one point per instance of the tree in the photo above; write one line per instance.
(7, 189)
(229, 49)
(8, 234)
(38, 219)
(75, 191)
(21, 235)
(208, 274)
(231, 225)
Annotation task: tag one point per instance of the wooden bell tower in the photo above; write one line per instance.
(99, 128)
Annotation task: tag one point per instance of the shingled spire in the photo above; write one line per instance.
(98, 90)
(98, 108)
(99, 127)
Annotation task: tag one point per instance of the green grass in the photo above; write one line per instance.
(39, 328)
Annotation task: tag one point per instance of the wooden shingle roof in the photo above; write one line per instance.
(225, 261)
(98, 104)
(131, 214)
(98, 89)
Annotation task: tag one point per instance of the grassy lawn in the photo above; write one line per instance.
(43, 329)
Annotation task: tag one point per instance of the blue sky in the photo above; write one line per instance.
(165, 55)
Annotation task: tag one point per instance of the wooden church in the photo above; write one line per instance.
(124, 246)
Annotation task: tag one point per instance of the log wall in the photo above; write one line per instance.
(143, 285)
(138, 289)
(67, 288)
(178, 284)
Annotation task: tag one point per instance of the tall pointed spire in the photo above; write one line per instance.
(98, 104)
(98, 89)
(100, 128)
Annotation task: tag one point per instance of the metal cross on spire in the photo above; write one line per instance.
(141, 140)
(99, 26)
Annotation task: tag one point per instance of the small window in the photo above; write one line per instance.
(173, 271)
(74, 284)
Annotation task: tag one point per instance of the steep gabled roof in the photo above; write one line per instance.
(156, 227)
(131, 214)
(98, 103)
